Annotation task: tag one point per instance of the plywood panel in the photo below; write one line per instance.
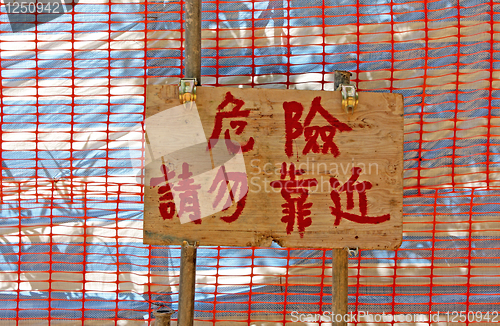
(272, 127)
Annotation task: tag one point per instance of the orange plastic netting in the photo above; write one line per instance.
(73, 84)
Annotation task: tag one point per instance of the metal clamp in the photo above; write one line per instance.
(352, 252)
(349, 97)
(194, 244)
(187, 90)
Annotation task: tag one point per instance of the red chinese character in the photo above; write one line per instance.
(167, 204)
(295, 207)
(237, 125)
(294, 129)
(188, 195)
(349, 187)
(240, 184)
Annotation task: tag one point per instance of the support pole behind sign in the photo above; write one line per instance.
(162, 316)
(341, 77)
(192, 69)
(187, 284)
(340, 256)
(192, 64)
(339, 285)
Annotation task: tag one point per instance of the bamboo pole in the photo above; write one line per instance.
(192, 69)
(187, 284)
(339, 286)
(192, 63)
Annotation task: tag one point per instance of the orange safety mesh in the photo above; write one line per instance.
(73, 91)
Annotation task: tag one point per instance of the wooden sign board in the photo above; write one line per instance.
(306, 174)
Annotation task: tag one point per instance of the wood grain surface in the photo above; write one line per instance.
(374, 144)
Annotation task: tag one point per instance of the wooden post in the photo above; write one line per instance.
(192, 64)
(187, 284)
(339, 286)
(192, 69)
(341, 77)
(162, 316)
(340, 266)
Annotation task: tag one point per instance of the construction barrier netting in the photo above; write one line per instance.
(73, 86)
